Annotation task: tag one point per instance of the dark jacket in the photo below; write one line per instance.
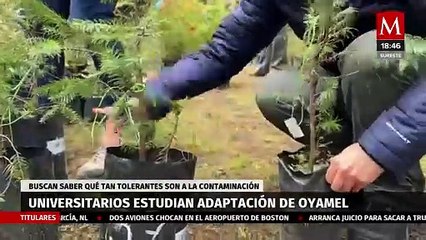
(92, 9)
(83, 9)
(396, 140)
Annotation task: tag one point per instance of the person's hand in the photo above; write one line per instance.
(112, 135)
(158, 103)
(352, 170)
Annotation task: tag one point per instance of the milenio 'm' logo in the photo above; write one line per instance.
(390, 34)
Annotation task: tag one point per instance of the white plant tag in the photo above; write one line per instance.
(294, 128)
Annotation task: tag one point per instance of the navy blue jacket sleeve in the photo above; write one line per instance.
(242, 34)
(397, 139)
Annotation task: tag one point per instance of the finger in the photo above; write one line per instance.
(106, 111)
(358, 186)
(331, 171)
(337, 183)
(348, 183)
(99, 110)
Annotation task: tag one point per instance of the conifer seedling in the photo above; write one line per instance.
(327, 25)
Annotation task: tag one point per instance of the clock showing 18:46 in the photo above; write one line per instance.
(390, 45)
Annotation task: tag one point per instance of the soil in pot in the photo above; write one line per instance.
(294, 177)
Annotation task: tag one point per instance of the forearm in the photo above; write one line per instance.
(397, 139)
(242, 34)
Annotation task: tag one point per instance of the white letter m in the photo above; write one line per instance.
(390, 29)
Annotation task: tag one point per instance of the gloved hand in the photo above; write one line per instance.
(157, 100)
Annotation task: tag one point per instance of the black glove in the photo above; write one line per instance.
(158, 101)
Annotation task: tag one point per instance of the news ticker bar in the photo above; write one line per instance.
(295, 217)
(222, 202)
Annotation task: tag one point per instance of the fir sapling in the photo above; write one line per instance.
(327, 24)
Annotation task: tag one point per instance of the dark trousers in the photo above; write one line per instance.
(89, 10)
(30, 133)
(82, 9)
(274, 55)
(366, 88)
(42, 144)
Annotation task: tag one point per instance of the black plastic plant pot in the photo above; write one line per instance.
(42, 164)
(121, 163)
(12, 202)
(293, 179)
(148, 231)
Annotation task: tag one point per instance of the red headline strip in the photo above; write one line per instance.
(30, 217)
